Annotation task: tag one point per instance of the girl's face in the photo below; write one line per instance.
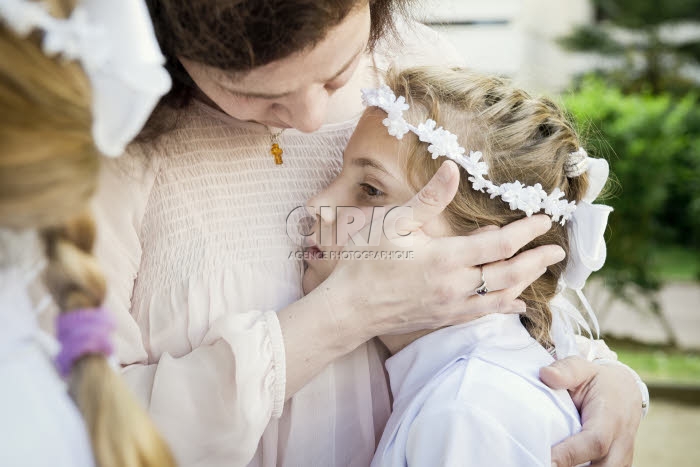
(292, 92)
(372, 176)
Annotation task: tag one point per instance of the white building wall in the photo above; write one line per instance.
(515, 38)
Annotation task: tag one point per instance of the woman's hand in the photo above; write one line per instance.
(366, 298)
(437, 287)
(610, 404)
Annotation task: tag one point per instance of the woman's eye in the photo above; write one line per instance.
(371, 191)
(241, 96)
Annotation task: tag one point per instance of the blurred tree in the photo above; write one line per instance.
(631, 33)
(653, 145)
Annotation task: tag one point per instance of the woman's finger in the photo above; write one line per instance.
(486, 228)
(501, 301)
(524, 268)
(497, 245)
(568, 373)
(589, 444)
(430, 201)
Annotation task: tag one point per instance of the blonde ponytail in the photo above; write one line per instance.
(48, 172)
(121, 433)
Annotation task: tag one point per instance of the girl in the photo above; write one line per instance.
(470, 394)
(56, 115)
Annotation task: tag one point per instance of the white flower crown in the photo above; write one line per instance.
(529, 199)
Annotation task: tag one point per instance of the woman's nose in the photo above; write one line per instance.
(308, 110)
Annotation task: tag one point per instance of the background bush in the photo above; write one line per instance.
(652, 142)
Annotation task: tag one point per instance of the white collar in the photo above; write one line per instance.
(414, 366)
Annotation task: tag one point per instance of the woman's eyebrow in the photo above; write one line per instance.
(344, 68)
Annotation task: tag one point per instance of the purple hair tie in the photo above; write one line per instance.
(83, 332)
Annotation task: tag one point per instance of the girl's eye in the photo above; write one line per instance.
(371, 191)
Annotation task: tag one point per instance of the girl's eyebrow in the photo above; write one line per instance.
(363, 162)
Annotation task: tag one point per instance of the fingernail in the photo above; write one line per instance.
(444, 173)
(561, 255)
(519, 307)
(554, 464)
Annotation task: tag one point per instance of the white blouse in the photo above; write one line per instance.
(193, 241)
(471, 395)
(39, 425)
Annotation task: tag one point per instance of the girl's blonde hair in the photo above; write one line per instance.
(48, 172)
(522, 138)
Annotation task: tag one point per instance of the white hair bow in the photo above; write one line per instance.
(115, 43)
(587, 254)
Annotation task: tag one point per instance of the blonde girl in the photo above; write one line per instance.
(470, 394)
(54, 120)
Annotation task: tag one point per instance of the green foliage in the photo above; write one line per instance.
(646, 60)
(592, 39)
(659, 366)
(638, 14)
(653, 145)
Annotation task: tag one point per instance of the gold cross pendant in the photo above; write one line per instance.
(277, 151)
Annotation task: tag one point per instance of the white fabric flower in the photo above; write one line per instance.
(477, 167)
(480, 183)
(397, 107)
(425, 130)
(524, 198)
(398, 127)
(558, 208)
(495, 190)
(444, 143)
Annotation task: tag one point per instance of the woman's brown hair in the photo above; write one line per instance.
(239, 35)
(48, 172)
(522, 138)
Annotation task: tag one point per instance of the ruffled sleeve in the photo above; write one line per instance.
(231, 384)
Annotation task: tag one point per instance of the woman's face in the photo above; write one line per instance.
(292, 92)
(373, 175)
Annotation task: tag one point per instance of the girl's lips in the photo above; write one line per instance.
(314, 252)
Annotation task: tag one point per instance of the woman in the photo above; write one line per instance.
(236, 367)
(56, 116)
